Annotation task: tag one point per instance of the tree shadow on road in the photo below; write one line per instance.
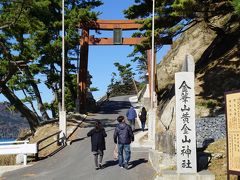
(105, 123)
(113, 107)
(135, 163)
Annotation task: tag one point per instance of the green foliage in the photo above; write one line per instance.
(172, 17)
(122, 83)
(125, 72)
(30, 33)
(141, 59)
(3, 67)
(208, 104)
(183, 7)
(120, 90)
(236, 5)
(70, 102)
(141, 85)
(92, 89)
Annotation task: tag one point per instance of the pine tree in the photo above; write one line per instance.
(30, 47)
(172, 17)
(123, 83)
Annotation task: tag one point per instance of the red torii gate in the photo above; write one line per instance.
(87, 40)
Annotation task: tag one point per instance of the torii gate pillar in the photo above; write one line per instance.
(83, 69)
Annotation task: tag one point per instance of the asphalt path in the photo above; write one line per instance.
(75, 162)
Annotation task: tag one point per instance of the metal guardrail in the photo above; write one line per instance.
(18, 147)
(14, 142)
(60, 141)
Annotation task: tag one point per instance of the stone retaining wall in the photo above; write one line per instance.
(210, 129)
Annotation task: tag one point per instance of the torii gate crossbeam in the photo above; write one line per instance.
(87, 40)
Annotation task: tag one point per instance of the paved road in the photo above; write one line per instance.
(75, 162)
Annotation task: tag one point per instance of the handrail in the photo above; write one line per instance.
(101, 100)
(141, 92)
(14, 142)
(75, 129)
(58, 132)
(60, 141)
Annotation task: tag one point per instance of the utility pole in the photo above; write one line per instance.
(153, 60)
(78, 91)
(62, 112)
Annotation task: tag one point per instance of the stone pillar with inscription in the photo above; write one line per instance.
(185, 122)
(185, 127)
(185, 118)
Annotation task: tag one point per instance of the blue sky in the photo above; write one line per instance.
(101, 58)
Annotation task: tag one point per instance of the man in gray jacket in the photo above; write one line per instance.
(123, 136)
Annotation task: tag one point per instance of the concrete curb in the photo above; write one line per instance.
(137, 137)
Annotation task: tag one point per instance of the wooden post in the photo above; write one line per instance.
(83, 69)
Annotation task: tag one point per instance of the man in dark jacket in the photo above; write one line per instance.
(123, 136)
(98, 135)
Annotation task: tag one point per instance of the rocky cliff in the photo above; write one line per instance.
(215, 47)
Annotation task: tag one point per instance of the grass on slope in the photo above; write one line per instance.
(218, 165)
